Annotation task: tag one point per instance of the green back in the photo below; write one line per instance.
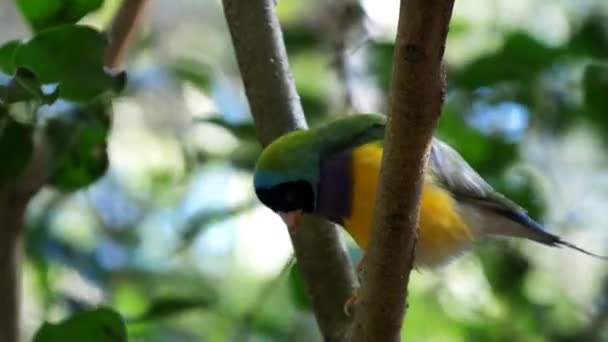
(296, 155)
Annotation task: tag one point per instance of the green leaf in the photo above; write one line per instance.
(164, 307)
(96, 325)
(71, 56)
(595, 91)
(7, 51)
(15, 148)
(43, 14)
(299, 295)
(520, 59)
(24, 86)
(79, 139)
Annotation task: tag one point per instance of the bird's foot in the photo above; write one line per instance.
(351, 303)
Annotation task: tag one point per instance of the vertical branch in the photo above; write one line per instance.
(416, 99)
(327, 273)
(276, 108)
(122, 30)
(14, 198)
(12, 210)
(258, 43)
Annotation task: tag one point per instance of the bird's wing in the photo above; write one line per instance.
(446, 165)
(453, 173)
(457, 176)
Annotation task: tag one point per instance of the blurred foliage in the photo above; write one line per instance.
(80, 139)
(15, 138)
(520, 59)
(6, 56)
(149, 207)
(23, 86)
(164, 307)
(59, 64)
(595, 85)
(298, 289)
(42, 14)
(98, 325)
(72, 57)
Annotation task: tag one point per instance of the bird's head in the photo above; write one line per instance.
(286, 176)
(287, 173)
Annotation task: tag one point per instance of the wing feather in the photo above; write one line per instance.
(457, 176)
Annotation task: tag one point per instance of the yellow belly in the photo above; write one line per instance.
(442, 232)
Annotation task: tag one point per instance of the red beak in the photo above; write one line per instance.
(291, 219)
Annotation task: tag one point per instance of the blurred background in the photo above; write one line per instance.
(173, 237)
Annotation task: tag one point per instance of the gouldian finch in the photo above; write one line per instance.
(332, 171)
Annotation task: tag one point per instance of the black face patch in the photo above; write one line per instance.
(289, 196)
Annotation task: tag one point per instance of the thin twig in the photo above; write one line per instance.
(125, 24)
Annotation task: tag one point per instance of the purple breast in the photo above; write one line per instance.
(335, 187)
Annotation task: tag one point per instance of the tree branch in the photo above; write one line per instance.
(416, 99)
(11, 235)
(14, 198)
(276, 108)
(124, 25)
(328, 274)
(262, 59)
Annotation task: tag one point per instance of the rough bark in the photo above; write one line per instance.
(416, 99)
(276, 108)
(122, 30)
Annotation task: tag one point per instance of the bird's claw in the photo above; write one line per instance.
(351, 303)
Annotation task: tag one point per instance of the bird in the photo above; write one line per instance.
(332, 171)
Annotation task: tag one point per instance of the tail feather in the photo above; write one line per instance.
(537, 233)
(502, 221)
(576, 248)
